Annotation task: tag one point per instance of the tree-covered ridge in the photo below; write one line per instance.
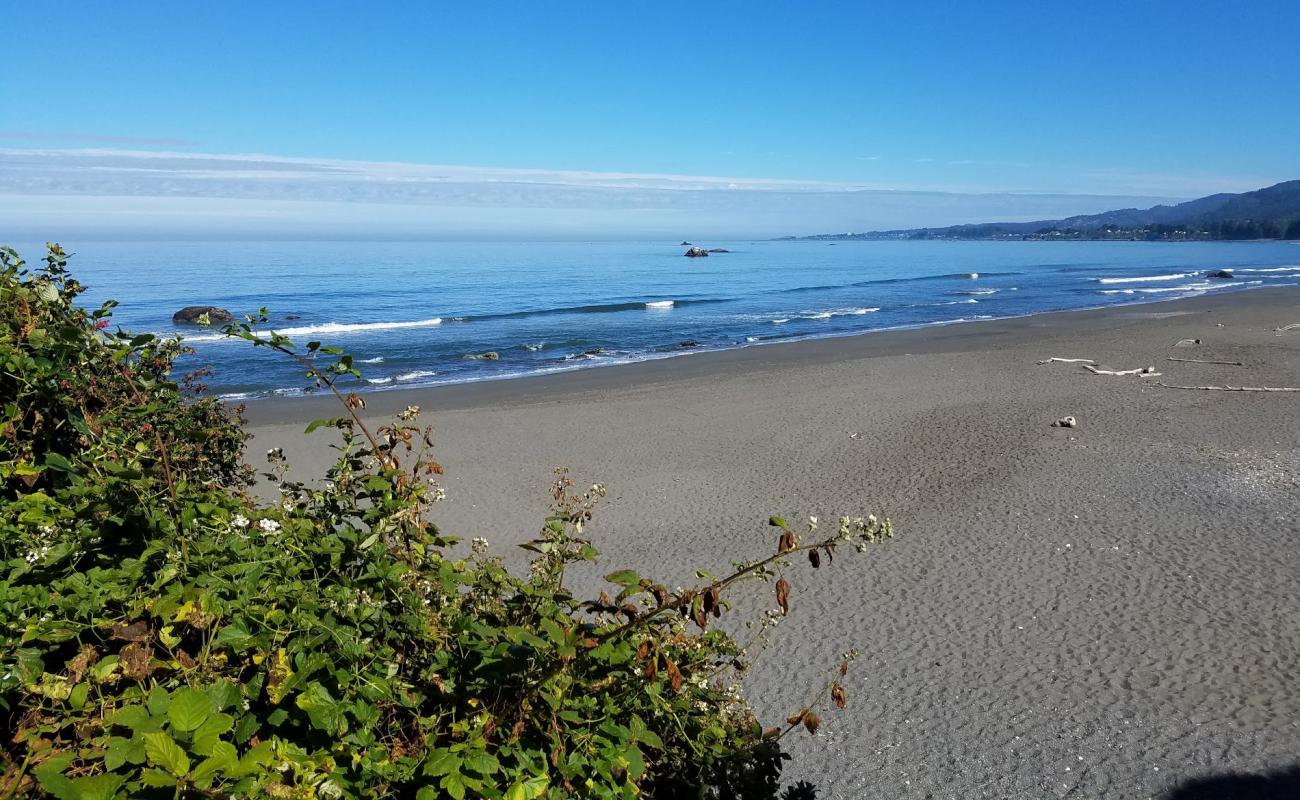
(1269, 213)
(163, 634)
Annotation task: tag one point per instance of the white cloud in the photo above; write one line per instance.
(132, 193)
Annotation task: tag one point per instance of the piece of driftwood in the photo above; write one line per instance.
(1146, 372)
(1293, 326)
(1206, 361)
(1068, 360)
(1187, 342)
(1233, 388)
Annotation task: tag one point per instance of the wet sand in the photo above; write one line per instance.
(1104, 611)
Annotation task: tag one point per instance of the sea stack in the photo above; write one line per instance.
(697, 252)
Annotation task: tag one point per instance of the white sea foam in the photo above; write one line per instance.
(958, 302)
(834, 312)
(1145, 278)
(375, 360)
(661, 304)
(978, 291)
(534, 346)
(751, 338)
(336, 328)
(415, 375)
(1295, 268)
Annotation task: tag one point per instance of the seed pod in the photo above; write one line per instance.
(783, 595)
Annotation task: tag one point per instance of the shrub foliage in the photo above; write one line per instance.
(165, 634)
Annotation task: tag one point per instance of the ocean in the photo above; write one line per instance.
(412, 314)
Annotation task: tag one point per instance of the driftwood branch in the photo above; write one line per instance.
(1233, 388)
(1293, 326)
(1146, 372)
(1206, 361)
(1068, 360)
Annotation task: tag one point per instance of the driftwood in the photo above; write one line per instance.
(1293, 326)
(1146, 372)
(1233, 388)
(1068, 360)
(1206, 361)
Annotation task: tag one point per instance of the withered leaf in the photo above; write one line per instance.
(604, 599)
(136, 660)
(135, 632)
(787, 542)
(812, 722)
(630, 611)
(783, 595)
(674, 676)
(814, 558)
(768, 733)
(797, 717)
(80, 663)
(717, 601)
(844, 667)
(837, 694)
(830, 553)
(652, 670)
(660, 592)
(643, 652)
(700, 615)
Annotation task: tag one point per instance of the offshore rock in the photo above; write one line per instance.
(190, 315)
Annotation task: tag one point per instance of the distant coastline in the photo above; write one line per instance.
(1268, 214)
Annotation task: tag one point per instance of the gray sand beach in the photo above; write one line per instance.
(1109, 610)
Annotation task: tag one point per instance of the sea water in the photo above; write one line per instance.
(415, 313)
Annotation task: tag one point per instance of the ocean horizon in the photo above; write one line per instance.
(426, 313)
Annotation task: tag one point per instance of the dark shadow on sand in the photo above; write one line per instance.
(1283, 784)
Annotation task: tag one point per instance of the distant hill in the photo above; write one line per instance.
(1269, 213)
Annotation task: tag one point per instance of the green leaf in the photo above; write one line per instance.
(98, 787)
(136, 718)
(189, 709)
(483, 763)
(57, 462)
(158, 701)
(164, 752)
(778, 522)
(624, 577)
(453, 784)
(441, 762)
(322, 709)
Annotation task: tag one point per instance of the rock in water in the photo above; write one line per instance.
(190, 315)
(1219, 273)
(685, 244)
(490, 355)
(697, 252)
(1066, 422)
(717, 250)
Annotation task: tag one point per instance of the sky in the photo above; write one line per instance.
(632, 118)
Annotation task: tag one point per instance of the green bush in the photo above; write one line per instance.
(164, 634)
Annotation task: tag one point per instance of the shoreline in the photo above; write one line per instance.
(819, 347)
(1110, 610)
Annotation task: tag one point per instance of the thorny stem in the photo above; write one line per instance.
(680, 602)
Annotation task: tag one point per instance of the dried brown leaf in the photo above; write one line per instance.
(814, 558)
(137, 660)
(787, 542)
(797, 717)
(837, 694)
(783, 595)
(674, 676)
(135, 632)
(812, 722)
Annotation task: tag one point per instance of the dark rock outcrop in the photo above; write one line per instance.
(717, 250)
(490, 355)
(697, 252)
(1219, 273)
(190, 315)
(685, 244)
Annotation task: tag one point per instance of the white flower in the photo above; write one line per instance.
(409, 413)
(239, 521)
(268, 525)
(812, 523)
(478, 545)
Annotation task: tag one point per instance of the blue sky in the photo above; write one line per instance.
(1134, 99)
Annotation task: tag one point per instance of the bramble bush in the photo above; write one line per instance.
(165, 634)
